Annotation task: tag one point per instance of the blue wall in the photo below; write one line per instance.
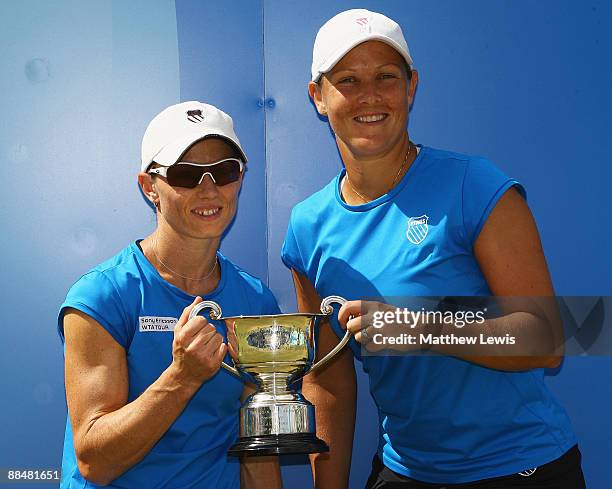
(524, 82)
(79, 82)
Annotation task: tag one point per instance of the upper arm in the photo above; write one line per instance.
(509, 251)
(510, 255)
(308, 300)
(95, 370)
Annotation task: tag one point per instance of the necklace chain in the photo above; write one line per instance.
(399, 171)
(154, 250)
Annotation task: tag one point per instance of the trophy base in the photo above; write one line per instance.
(253, 446)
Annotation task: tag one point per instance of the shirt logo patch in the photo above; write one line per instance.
(417, 229)
(156, 324)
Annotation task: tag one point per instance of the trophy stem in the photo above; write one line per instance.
(274, 383)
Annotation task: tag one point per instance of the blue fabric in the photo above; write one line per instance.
(193, 452)
(442, 419)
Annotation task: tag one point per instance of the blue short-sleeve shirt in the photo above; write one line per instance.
(129, 299)
(442, 419)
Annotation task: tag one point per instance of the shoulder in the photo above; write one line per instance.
(436, 158)
(109, 293)
(115, 285)
(247, 281)
(250, 287)
(441, 155)
(471, 172)
(115, 272)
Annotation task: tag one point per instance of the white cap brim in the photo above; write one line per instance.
(172, 152)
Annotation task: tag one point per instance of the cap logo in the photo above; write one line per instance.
(362, 21)
(195, 116)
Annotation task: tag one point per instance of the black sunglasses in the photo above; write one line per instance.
(190, 175)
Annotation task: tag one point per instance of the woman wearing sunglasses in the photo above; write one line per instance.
(148, 405)
(404, 220)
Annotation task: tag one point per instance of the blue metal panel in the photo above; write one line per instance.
(525, 83)
(79, 84)
(221, 62)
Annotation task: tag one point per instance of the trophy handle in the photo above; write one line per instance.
(328, 310)
(215, 313)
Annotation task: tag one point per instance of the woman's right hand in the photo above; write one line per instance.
(198, 349)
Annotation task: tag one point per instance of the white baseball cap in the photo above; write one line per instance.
(346, 30)
(176, 128)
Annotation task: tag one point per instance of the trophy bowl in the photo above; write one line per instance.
(273, 352)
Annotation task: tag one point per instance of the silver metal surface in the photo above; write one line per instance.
(328, 310)
(273, 351)
(276, 413)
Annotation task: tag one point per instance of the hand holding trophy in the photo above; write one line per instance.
(273, 352)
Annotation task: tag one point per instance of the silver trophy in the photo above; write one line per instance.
(273, 352)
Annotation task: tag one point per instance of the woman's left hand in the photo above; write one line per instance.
(371, 323)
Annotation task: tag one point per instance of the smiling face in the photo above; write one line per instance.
(366, 97)
(206, 210)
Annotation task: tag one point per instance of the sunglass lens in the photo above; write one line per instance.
(226, 172)
(184, 175)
